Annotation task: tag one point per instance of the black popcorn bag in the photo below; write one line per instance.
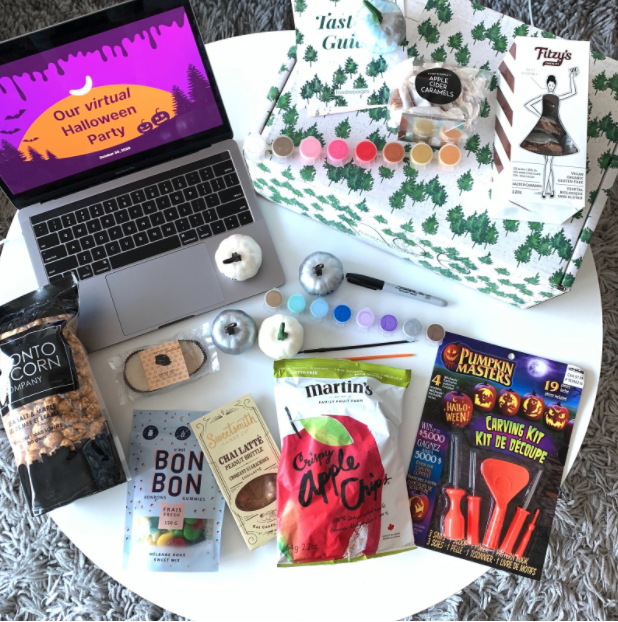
(55, 419)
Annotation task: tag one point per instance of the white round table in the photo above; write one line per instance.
(249, 585)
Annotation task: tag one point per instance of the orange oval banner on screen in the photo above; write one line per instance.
(105, 117)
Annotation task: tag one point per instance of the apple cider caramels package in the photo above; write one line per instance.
(341, 489)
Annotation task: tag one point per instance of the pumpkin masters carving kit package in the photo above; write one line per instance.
(487, 464)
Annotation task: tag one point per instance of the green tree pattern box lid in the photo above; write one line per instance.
(440, 221)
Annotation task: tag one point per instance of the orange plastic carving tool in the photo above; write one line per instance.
(523, 545)
(454, 522)
(504, 480)
(521, 514)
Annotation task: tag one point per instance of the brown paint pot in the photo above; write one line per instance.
(435, 334)
(282, 149)
(393, 154)
(273, 299)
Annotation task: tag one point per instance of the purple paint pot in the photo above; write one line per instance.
(365, 319)
(388, 324)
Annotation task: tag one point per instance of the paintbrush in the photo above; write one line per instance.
(377, 356)
(364, 345)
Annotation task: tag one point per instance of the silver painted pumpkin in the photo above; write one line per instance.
(321, 274)
(233, 331)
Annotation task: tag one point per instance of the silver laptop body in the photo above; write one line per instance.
(142, 241)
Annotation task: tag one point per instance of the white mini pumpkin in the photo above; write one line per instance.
(239, 257)
(281, 336)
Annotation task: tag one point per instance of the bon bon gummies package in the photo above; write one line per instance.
(174, 508)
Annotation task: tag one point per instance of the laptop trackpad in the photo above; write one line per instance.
(164, 289)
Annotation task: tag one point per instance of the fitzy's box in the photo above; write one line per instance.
(435, 218)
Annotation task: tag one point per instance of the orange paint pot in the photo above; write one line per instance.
(449, 155)
(450, 135)
(393, 154)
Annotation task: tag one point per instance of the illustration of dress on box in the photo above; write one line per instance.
(548, 137)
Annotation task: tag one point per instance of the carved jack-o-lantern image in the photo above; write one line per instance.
(484, 397)
(160, 117)
(451, 354)
(419, 506)
(457, 408)
(556, 416)
(144, 126)
(509, 402)
(533, 406)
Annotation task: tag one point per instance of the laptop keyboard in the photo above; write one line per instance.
(143, 219)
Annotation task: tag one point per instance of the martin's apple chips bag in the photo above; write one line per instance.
(341, 491)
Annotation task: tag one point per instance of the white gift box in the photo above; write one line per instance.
(439, 218)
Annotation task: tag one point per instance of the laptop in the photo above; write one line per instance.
(117, 151)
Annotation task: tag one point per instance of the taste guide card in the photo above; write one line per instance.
(334, 71)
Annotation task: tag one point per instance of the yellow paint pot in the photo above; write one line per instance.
(423, 129)
(421, 154)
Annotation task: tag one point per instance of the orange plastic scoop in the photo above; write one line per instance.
(504, 480)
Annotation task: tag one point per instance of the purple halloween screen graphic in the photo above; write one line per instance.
(102, 98)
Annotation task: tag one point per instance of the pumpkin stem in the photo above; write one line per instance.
(376, 15)
(230, 329)
(317, 270)
(282, 336)
(233, 259)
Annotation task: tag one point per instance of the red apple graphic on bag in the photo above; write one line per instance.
(329, 490)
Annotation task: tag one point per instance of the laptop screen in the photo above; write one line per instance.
(100, 99)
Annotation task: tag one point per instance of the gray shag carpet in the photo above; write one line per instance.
(43, 576)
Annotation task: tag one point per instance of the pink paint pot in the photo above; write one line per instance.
(337, 153)
(310, 150)
(365, 154)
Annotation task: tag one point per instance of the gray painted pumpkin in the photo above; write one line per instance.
(321, 274)
(233, 331)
